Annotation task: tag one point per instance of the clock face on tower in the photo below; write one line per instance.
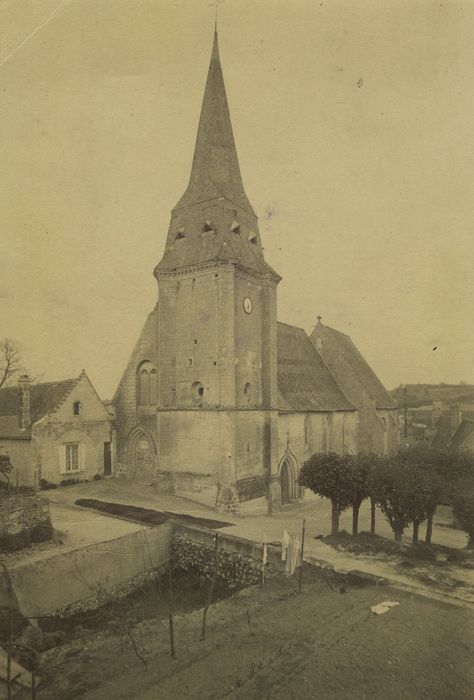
(248, 305)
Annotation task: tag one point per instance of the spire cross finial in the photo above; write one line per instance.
(319, 318)
(216, 4)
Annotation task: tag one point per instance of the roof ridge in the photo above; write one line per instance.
(65, 395)
(334, 330)
(290, 325)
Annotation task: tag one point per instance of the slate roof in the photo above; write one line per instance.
(215, 170)
(304, 381)
(44, 398)
(355, 377)
(465, 430)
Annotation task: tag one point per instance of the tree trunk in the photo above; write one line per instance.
(398, 535)
(334, 520)
(355, 519)
(416, 529)
(372, 516)
(429, 525)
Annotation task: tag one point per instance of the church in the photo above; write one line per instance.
(218, 397)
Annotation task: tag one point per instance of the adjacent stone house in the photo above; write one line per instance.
(55, 431)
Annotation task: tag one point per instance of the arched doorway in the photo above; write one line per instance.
(285, 482)
(141, 453)
(288, 485)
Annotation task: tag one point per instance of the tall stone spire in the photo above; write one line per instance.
(215, 169)
(214, 220)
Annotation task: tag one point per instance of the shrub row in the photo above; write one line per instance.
(41, 532)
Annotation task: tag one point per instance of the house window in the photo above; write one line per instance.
(72, 456)
(76, 408)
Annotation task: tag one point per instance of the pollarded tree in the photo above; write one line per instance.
(356, 484)
(400, 491)
(326, 475)
(463, 510)
(441, 470)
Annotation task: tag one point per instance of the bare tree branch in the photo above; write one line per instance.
(9, 361)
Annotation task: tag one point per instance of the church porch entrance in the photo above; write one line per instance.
(141, 455)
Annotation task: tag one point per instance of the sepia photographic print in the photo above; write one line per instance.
(236, 361)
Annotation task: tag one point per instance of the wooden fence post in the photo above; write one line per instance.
(211, 588)
(302, 555)
(170, 613)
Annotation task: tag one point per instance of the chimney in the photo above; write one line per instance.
(24, 383)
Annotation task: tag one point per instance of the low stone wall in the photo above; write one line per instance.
(21, 510)
(90, 576)
(231, 543)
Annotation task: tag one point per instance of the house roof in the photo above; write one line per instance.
(444, 431)
(44, 398)
(304, 381)
(465, 430)
(351, 371)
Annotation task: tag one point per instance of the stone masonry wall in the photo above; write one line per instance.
(21, 510)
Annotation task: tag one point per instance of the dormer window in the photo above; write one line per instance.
(76, 408)
(208, 226)
(180, 233)
(235, 227)
(253, 238)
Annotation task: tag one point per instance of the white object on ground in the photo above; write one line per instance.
(384, 607)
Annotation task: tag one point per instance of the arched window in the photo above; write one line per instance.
(153, 387)
(147, 384)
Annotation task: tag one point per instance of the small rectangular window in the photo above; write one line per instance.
(72, 456)
(76, 407)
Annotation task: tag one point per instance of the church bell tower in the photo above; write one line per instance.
(217, 345)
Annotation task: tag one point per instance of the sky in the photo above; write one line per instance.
(353, 125)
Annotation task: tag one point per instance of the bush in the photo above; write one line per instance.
(42, 532)
(45, 485)
(10, 542)
(97, 477)
(13, 542)
(15, 489)
(72, 482)
(363, 543)
(420, 551)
